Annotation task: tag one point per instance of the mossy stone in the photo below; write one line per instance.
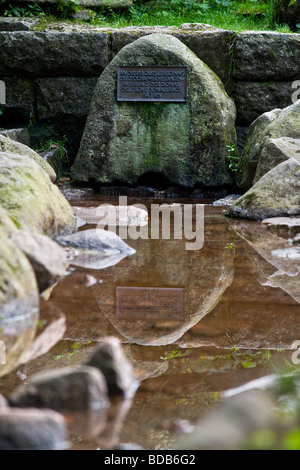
(186, 142)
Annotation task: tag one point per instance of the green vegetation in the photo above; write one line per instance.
(227, 14)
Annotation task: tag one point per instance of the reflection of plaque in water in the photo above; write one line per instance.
(150, 302)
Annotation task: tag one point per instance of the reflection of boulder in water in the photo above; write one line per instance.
(204, 274)
(273, 263)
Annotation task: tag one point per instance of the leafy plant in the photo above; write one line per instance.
(29, 10)
(233, 158)
(66, 8)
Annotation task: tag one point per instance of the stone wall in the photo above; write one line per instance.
(50, 75)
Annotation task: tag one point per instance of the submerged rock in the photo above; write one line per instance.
(276, 194)
(95, 248)
(186, 142)
(30, 198)
(32, 430)
(109, 358)
(287, 227)
(47, 258)
(112, 215)
(260, 142)
(83, 388)
(3, 402)
(11, 146)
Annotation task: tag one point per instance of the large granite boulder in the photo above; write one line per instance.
(30, 198)
(186, 142)
(272, 125)
(276, 194)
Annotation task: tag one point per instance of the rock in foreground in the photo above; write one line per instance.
(63, 389)
(277, 194)
(117, 370)
(30, 198)
(32, 430)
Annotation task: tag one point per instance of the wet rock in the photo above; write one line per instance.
(275, 151)
(128, 446)
(77, 193)
(11, 146)
(276, 194)
(95, 249)
(227, 201)
(287, 227)
(78, 389)
(47, 258)
(32, 430)
(112, 215)
(18, 135)
(50, 330)
(109, 358)
(121, 143)
(230, 423)
(30, 198)
(271, 125)
(18, 287)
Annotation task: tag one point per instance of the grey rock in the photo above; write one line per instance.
(54, 158)
(275, 151)
(78, 389)
(18, 24)
(32, 430)
(114, 4)
(19, 104)
(272, 125)
(267, 55)
(227, 201)
(96, 240)
(73, 194)
(122, 142)
(255, 98)
(109, 358)
(18, 135)
(276, 194)
(44, 54)
(64, 98)
(47, 258)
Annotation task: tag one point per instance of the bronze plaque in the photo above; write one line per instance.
(150, 303)
(166, 84)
